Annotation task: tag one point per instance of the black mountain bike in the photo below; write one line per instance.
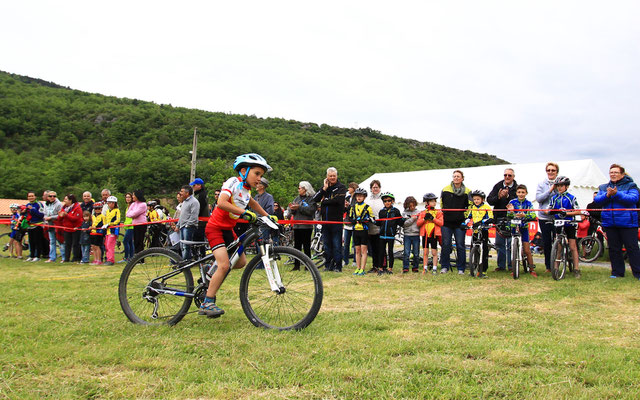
(517, 250)
(156, 286)
(476, 253)
(561, 257)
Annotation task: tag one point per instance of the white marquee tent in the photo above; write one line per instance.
(584, 174)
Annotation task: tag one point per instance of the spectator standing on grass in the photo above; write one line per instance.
(87, 202)
(70, 216)
(112, 220)
(375, 202)
(331, 198)
(51, 209)
(266, 202)
(454, 197)
(45, 229)
(620, 225)
(138, 213)
(348, 228)
(200, 193)
(104, 195)
(188, 219)
(411, 234)
(501, 194)
(545, 190)
(303, 208)
(85, 237)
(36, 233)
(129, 248)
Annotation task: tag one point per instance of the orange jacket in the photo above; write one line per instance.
(427, 227)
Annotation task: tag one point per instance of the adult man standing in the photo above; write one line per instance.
(266, 202)
(501, 194)
(45, 242)
(188, 221)
(105, 208)
(216, 194)
(331, 198)
(87, 202)
(200, 194)
(51, 209)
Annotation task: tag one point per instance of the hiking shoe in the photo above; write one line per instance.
(388, 271)
(482, 275)
(361, 273)
(414, 270)
(499, 269)
(373, 270)
(444, 270)
(357, 272)
(577, 274)
(211, 310)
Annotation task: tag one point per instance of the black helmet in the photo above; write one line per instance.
(360, 191)
(429, 196)
(478, 193)
(562, 180)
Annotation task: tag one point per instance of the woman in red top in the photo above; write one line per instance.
(70, 216)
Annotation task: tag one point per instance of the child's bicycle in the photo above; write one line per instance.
(476, 253)
(156, 286)
(591, 247)
(560, 252)
(517, 251)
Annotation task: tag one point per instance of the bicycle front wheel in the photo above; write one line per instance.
(558, 260)
(589, 249)
(148, 272)
(516, 250)
(474, 262)
(4, 245)
(297, 306)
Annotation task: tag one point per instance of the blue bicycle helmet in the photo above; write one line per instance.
(251, 160)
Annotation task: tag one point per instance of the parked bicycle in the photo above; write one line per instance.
(561, 256)
(156, 286)
(591, 247)
(476, 254)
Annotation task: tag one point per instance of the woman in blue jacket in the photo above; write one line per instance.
(621, 226)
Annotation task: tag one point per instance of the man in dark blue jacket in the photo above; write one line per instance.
(620, 225)
(331, 198)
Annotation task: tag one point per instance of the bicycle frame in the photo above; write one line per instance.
(239, 245)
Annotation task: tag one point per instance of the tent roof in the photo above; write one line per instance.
(584, 174)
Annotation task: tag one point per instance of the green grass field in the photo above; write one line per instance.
(399, 336)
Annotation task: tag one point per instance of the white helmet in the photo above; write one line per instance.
(112, 199)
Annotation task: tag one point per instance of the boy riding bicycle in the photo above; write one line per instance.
(560, 205)
(232, 205)
(521, 205)
(480, 213)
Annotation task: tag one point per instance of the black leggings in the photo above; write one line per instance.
(302, 240)
(72, 251)
(374, 250)
(386, 252)
(36, 243)
(138, 237)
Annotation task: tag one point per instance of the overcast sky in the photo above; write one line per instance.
(527, 81)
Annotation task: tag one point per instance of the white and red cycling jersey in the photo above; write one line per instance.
(239, 196)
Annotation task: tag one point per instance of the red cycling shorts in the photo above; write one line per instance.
(219, 237)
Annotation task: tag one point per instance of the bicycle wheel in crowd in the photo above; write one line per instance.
(474, 261)
(589, 249)
(140, 301)
(296, 307)
(558, 260)
(515, 260)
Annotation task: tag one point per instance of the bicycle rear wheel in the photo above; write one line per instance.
(474, 261)
(137, 290)
(516, 251)
(4, 245)
(589, 249)
(558, 260)
(296, 307)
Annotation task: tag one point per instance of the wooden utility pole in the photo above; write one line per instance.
(193, 154)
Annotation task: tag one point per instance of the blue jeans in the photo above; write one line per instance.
(86, 252)
(186, 233)
(332, 240)
(129, 248)
(503, 246)
(411, 243)
(52, 244)
(445, 258)
(348, 245)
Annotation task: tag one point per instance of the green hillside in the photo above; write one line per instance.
(69, 140)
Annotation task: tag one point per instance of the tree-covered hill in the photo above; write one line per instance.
(69, 140)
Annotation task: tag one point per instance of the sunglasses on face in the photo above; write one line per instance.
(551, 170)
(388, 201)
(508, 175)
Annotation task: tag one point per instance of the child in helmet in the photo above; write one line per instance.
(111, 220)
(85, 237)
(520, 204)
(430, 221)
(480, 213)
(17, 233)
(97, 234)
(388, 230)
(232, 205)
(560, 206)
(359, 214)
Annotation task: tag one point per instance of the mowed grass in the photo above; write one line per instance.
(63, 335)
